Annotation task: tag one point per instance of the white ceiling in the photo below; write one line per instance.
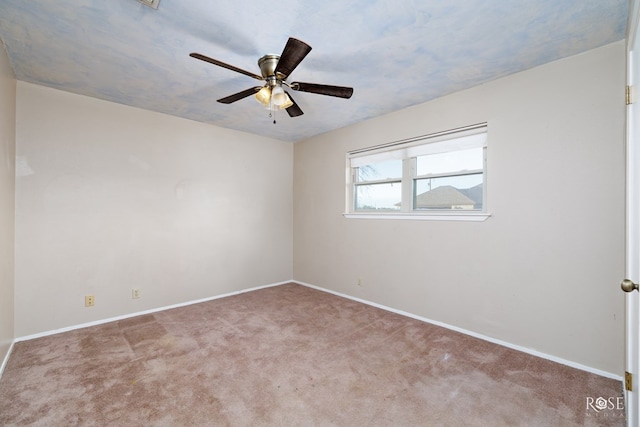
(393, 53)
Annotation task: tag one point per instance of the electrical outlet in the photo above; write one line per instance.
(135, 293)
(89, 300)
(359, 283)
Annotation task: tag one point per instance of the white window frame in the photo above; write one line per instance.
(408, 150)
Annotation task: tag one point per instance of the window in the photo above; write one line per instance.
(378, 186)
(440, 176)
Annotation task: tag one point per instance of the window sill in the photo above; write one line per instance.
(444, 216)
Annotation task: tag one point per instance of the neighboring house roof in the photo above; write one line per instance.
(447, 196)
(475, 194)
(443, 197)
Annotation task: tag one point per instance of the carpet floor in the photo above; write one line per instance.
(291, 356)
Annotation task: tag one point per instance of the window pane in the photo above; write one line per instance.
(455, 161)
(455, 192)
(378, 197)
(379, 171)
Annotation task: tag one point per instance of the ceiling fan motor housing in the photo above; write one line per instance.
(267, 66)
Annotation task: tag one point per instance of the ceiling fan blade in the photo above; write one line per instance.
(294, 110)
(224, 65)
(339, 91)
(240, 95)
(293, 53)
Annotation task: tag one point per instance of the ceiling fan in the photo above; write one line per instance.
(275, 70)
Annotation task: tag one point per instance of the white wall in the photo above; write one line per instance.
(7, 197)
(110, 198)
(543, 271)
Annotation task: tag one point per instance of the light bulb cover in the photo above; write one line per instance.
(287, 103)
(264, 96)
(278, 97)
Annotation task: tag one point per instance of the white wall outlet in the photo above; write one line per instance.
(135, 293)
(89, 300)
(359, 282)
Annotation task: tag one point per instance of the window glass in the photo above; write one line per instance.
(457, 192)
(378, 197)
(390, 169)
(455, 161)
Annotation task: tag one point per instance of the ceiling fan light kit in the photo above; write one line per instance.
(274, 71)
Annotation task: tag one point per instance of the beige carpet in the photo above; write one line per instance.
(290, 356)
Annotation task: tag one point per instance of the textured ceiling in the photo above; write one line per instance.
(393, 53)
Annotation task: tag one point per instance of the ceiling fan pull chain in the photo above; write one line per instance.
(272, 111)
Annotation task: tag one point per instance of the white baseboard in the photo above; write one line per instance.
(471, 333)
(139, 313)
(6, 358)
(383, 307)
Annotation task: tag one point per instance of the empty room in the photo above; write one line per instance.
(329, 214)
